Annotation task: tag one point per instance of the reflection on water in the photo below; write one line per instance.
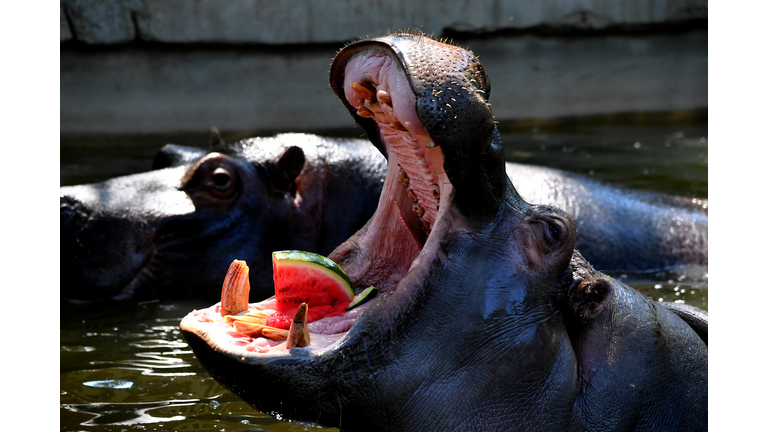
(130, 369)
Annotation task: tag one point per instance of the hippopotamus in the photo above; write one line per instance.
(486, 316)
(172, 231)
(294, 191)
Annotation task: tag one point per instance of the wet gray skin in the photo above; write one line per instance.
(497, 323)
(115, 241)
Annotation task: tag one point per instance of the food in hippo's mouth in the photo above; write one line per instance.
(308, 287)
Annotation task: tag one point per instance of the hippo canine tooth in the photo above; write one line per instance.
(431, 144)
(366, 90)
(235, 290)
(298, 335)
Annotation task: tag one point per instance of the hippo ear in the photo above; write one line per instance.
(215, 140)
(589, 298)
(288, 167)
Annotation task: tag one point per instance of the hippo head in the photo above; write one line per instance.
(172, 231)
(470, 329)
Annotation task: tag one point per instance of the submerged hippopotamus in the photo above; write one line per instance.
(486, 317)
(173, 231)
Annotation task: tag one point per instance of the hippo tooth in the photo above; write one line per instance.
(402, 176)
(425, 226)
(398, 126)
(384, 97)
(374, 106)
(418, 209)
(235, 290)
(411, 194)
(364, 112)
(431, 144)
(366, 90)
(298, 335)
(436, 191)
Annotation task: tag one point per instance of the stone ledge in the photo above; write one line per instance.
(332, 21)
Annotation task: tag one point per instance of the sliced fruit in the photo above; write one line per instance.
(257, 330)
(364, 296)
(306, 277)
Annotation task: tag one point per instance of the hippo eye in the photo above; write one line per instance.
(214, 180)
(221, 178)
(553, 232)
(221, 183)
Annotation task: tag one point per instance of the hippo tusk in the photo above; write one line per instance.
(235, 290)
(298, 335)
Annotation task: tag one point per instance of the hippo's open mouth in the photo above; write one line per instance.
(395, 248)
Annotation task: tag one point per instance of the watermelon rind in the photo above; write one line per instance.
(313, 260)
(364, 296)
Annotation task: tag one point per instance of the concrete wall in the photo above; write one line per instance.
(166, 66)
(330, 21)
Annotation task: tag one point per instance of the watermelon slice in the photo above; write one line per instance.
(306, 277)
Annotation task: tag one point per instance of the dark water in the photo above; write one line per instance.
(130, 369)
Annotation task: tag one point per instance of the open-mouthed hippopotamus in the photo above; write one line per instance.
(486, 317)
(294, 191)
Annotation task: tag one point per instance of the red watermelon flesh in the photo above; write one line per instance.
(298, 281)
